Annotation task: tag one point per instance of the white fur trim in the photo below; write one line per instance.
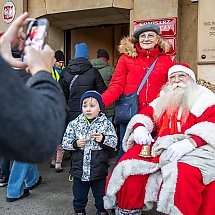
(205, 130)
(166, 199)
(154, 103)
(152, 188)
(128, 140)
(180, 68)
(140, 118)
(121, 172)
(205, 99)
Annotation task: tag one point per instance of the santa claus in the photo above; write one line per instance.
(180, 175)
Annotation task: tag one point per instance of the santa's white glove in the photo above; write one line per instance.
(178, 149)
(142, 136)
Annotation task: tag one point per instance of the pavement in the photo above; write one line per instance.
(51, 197)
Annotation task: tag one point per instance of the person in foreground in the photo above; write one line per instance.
(21, 173)
(33, 120)
(89, 136)
(180, 175)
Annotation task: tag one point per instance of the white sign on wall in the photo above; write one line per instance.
(8, 12)
(206, 32)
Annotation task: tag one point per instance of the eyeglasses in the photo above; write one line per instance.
(180, 77)
(149, 36)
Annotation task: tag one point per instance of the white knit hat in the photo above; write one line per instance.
(182, 67)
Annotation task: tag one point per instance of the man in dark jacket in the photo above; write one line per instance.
(79, 77)
(32, 117)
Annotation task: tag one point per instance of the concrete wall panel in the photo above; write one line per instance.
(37, 8)
(153, 9)
(187, 33)
(53, 6)
(55, 38)
(40, 7)
(127, 4)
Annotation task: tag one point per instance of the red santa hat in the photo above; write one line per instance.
(181, 67)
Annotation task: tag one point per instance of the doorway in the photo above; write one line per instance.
(104, 36)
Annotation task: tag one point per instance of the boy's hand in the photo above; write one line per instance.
(81, 143)
(98, 137)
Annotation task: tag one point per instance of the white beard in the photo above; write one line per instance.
(174, 96)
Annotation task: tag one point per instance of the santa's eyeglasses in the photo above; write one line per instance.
(179, 77)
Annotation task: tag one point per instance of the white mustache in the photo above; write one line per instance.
(180, 85)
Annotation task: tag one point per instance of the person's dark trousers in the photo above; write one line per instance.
(121, 135)
(81, 191)
(5, 167)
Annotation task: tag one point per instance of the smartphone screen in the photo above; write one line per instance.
(36, 34)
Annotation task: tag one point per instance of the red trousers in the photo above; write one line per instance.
(192, 197)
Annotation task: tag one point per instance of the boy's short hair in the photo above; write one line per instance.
(95, 95)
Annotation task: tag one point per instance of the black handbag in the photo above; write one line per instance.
(127, 105)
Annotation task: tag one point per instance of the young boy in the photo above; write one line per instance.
(90, 136)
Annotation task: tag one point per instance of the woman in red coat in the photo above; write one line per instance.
(138, 53)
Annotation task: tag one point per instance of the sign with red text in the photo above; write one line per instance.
(8, 12)
(168, 27)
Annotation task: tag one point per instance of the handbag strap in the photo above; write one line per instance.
(146, 76)
(72, 81)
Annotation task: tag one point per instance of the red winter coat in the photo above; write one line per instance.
(131, 69)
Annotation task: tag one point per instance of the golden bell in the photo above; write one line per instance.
(145, 152)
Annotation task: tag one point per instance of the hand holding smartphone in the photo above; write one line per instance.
(36, 34)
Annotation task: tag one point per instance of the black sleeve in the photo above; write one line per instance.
(75, 146)
(103, 145)
(65, 87)
(32, 118)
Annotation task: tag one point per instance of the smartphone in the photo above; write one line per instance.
(36, 34)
